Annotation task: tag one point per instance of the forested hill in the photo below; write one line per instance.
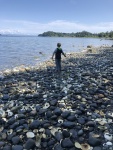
(77, 34)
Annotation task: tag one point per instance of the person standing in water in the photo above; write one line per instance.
(58, 51)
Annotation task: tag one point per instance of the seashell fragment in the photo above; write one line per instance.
(96, 135)
(102, 113)
(60, 121)
(10, 113)
(109, 143)
(2, 113)
(108, 136)
(38, 140)
(1, 128)
(10, 131)
(85, 146)
(41, 130)
(77, 145)
(30, 135)
(110, 114)
(46, 106)
(53, 130)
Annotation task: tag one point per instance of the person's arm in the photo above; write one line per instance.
(53, 53)
(63, 53)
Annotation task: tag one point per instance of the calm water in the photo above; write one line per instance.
(16, 51)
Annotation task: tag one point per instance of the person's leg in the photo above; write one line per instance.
(56, 62)
(59, 64)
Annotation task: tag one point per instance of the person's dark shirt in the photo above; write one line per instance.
(58, 52)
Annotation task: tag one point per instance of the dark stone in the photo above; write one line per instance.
(71, 118)
(51, 142)
(46, 125)
(58, 136)
(21, 116)
(58, 147)
(38, 108)
(30, 144)
(97, 148)
(19, 129)
(35, 124)
(49, 114)
(73, 133)
(2, 144)
(57, 111)
(17, 147)
(15, 140)
(14, 125)
(42, 112)
(11, 121)
(7, 148)
(81, 121)
(80, 132)
(44, 144)
(53, 102)
(90, 123)
(54, 117)
(94, 141)
(65, 134)
(68, 124)
(22, 121)
(67, 143)
(65, 114)
(5, 97)
(10, 136)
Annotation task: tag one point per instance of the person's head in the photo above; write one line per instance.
(58, 44)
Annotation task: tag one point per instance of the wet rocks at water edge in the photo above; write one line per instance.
(43, 110)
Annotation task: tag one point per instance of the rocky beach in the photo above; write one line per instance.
(43, 110)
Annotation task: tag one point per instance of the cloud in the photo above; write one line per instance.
(26, 27)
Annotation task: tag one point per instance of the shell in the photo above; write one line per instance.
(10, 113)
(46, 105)
(77, 145)
(35, 131)
(41, 130)
(60, 120)
(96, 135)
(108, 136)
(2, 113)
(85, 146)
(109, 143)
(1, 129)
(53, 130)
(38, 140)
(30, 135)
(10, 131)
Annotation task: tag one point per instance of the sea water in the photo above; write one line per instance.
(32, 50)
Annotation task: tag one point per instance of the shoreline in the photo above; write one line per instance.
(23, 68)
(43, 110)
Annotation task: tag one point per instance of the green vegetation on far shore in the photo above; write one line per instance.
(78, 34)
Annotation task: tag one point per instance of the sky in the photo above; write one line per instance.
(67, 16)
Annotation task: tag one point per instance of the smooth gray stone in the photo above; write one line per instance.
(58, 136)
(94, 141)
(58, 147)
(67, 143)
(80, 132)
(7, 148)
(17, 147)
(68, 124)
(30, 144)
(15, 140)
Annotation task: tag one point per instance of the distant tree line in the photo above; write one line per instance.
(77, 34)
